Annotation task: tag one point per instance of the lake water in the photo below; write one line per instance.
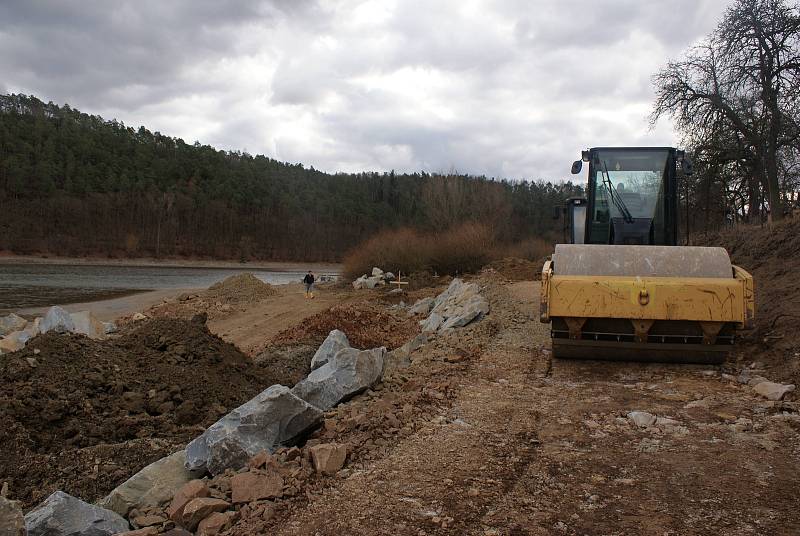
(36, 285)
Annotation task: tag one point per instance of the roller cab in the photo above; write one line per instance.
(622, 288)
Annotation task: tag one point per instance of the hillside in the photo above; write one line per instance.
(76, 184)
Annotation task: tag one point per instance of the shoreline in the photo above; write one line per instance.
(271, 266)
(111, 309)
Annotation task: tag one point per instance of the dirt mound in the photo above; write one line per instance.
(772, 255)
(219, 300)
(240, 288)
(365, 325)
(64, 394)
(516, 269)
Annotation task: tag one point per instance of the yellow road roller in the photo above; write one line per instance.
(621, 288)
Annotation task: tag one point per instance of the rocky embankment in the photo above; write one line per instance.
(248, 454)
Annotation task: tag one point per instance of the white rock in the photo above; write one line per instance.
(664, 421)
(475, 308)
(109, 327)
(360, 283)
(87, 324)
(422, 307)
(642, 419)
(13, 342)
(432, 323)
(11, 323)
(138, 317)
(772, 390)
(350, 372)
(58, 320)
(389, 276)
(335, 341)
(377, 272)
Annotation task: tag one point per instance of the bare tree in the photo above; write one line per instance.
(735, 96)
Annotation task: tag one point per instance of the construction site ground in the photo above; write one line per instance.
(509, 441)
(484, 433)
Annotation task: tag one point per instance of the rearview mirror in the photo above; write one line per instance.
(577, 166)
(557, 211)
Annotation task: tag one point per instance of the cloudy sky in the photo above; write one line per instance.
(512, 88)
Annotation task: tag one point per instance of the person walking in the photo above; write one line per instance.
(308, 280)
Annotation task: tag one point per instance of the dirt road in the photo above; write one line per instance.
(515, 444)
(250, 327)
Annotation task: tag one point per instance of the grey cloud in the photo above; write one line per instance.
(521, 85)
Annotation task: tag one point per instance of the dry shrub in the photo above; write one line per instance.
(464, 248)
(532, 249)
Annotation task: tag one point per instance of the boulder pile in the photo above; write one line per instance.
(379, 278)
(460, 304)
(17, 331)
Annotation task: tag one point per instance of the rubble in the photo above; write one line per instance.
(63, 515)
(275, 417)
(350, 372)
(214, 524)
(378, 278)
(335, 341)
(194, 489)
(198, 509)
(456, 307)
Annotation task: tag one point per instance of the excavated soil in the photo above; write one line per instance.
(516, 269)
(240, 288)
(366, 326)
(772, 255)
(219, 300)
(81, 415)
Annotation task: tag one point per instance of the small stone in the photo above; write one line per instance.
(328, 458)
(772, 390)
(252, 486)
(197, 510)
(213, 524)
(193, 489)
(642, 419)
(32, 362)
(473, 492)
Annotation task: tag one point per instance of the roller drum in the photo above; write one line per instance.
(641, 261)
